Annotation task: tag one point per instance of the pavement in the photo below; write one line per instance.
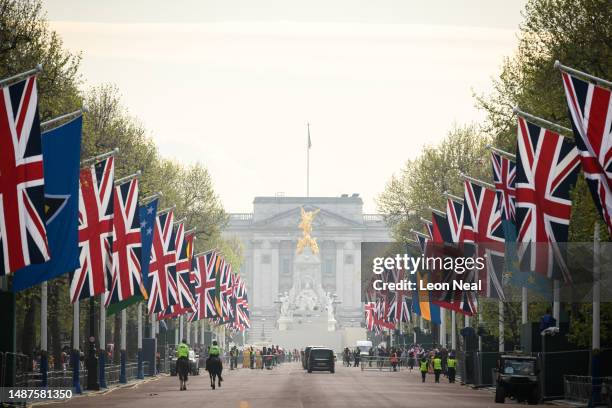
(288, 386)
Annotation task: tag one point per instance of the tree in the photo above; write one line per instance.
(423, 180)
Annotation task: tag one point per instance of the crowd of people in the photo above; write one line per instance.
(436, 361)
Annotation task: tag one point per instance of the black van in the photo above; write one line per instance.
(321, 359)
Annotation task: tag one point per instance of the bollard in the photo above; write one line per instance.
(102, 367)
(122, 377)
(76, 384)
(44, 368)
(140, 375)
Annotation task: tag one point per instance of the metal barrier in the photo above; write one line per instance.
(579, 388)
(15, 367)
(377, 363)
(113, 372)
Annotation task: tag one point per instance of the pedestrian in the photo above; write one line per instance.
(423, 366)
(393, 359)
(437, 366)
(451, 365)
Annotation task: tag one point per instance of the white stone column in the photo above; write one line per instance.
(340, 271)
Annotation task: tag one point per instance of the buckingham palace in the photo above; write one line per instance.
(285, 282)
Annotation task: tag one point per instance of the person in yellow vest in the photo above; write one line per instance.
(451, 365)
(423, 366)
(214, 353)
(437, 366)
(182, 363)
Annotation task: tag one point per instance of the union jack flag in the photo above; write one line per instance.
(126, 275)
(454, 215)
(209, 265)
(461, 301)
(504, 174)
(483, 226)
(546, 170)
(406, 309)
(23, 235)
(226, 288)
(184, 246)
(95, 230)
(590, 109)
(162, 265)
(242, 319)
(370, 314)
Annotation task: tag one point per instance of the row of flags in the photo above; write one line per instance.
(520, 223)
(57, 218)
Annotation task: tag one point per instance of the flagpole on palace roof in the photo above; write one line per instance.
(562, 130)
(16, 78)
(308, 144)
(584, 75)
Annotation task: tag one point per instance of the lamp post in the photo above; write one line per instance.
(263, 329)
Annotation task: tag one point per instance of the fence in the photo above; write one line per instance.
(378, 363)
(577, 388)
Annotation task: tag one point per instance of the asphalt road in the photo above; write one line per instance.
(289, 386)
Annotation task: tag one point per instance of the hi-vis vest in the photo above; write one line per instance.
(182, 350)
(424, 366)
(437, 362)
(214, 350)
(451, 363)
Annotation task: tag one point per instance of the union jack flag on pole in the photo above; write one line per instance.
(546, 170)
(483, 226)
(95, 230)
(23, 235)
(590, 107)
(504, 174)
(162, 265)
(126, 276)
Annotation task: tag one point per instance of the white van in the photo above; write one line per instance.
(364, 346)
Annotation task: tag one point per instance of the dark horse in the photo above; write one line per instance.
(214, 366)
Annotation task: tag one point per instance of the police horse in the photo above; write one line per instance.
(214, 368)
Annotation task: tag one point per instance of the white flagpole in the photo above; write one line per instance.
(75, 326)
(595, 342)
(453, 330)
(442, 327)
(308, 162)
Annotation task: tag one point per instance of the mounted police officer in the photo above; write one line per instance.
(182, 363)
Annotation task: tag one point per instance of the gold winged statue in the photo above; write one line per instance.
(306, 227)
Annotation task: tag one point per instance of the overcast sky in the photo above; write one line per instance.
(232, 83)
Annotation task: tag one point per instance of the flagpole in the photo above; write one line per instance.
(123, 352)
(140, 374)
(147, 200)
(524, 306)
(16, 78)
(308, 162)
(102, 338)
(453, 330)
(438, 212)
(553, 126)
(595, 342)
(99, 157)
(452, 197)
(128, 178)
(509, 155)
(500, 305)
(477, 182)
(57, 119)
(598, 81)
(43, 333)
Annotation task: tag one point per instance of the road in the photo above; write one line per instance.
(289, 386)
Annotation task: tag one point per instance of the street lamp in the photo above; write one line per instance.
(263, 329)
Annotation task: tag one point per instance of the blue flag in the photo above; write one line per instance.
(147, 227)
(61, 149)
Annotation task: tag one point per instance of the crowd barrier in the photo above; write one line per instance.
(580, 389)
(377, 363)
